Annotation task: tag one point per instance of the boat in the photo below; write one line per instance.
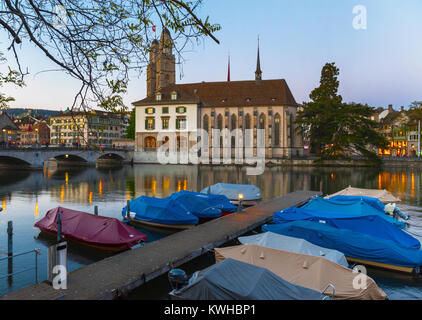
(356, 207)
(390, 208)
(204, 206)
(250, 194)
(279, 242)
(370, 224)
(236, 280)
(357, 247)
(383, 195)
(159, 212)
(303, 270)
(95, 231)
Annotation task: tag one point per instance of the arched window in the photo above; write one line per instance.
(150, 142)
(248, 121)
(206, 123)
(220, 122)
(261, 121)
(277, 121)
(233, 122)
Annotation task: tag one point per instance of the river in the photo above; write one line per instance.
(26, 196)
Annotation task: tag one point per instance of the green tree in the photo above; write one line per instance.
(11, 77)
(339, 130)
(130, 130)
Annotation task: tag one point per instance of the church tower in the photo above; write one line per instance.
(166, 62)
(152, 69)
(258, 72)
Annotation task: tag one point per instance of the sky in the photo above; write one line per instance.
(379, 65)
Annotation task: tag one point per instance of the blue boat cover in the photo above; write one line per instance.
(376, 203)
(372, 225)
(199, 203)
(235, 280)
(352, 244)
(356, 207)
(232, 191)
(161, 211)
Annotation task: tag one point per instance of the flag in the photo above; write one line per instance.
(153, 28)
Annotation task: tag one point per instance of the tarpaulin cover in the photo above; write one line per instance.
(372, 225)
(161, 211)
(236, 280)
(277, 241)
(383, 195)
(357, 207)
(90, 228)
(311, 272)
(376, 203)
(232, 191)
(352, 244)
(203, 205)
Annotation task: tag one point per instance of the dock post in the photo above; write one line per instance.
(59, 227)
(128, 210)
(10, 250)
(96, 210)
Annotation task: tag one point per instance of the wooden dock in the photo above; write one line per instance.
(116, 276)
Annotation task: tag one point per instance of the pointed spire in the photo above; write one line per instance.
(258, 72)
(228, 71)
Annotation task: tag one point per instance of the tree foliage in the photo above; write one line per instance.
(99, 42)
(130, 130)
(339, 130)
(11, 77)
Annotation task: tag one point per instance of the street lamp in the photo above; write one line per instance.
(4, 137)
(239, 207)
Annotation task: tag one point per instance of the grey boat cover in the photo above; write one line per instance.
(235, 280)
(232, 191)
(295, 245)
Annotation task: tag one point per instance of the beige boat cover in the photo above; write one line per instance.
(307, 271)
(383, 195)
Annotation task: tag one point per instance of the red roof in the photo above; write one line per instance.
(227, 94)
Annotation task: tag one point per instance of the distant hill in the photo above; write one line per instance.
(21, 112)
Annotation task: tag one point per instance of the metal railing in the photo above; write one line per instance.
(37, 253)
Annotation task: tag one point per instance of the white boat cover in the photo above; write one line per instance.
(383, 195)
(306, 271)
(296, 245)
(232, 191)
(235, 280)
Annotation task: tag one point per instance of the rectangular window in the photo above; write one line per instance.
(181, 109)
(149, 124)
(165, 123)
(165, 110)
(181, 124)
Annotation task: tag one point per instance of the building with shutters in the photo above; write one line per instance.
(184, 108)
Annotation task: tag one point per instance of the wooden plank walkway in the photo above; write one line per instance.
(116, 276)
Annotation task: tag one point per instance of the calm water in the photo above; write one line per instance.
(26, 196)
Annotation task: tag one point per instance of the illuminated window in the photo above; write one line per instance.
(149, 124)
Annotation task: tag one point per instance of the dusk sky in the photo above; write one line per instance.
(380, 65)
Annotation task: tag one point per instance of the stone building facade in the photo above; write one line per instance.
(183, 109)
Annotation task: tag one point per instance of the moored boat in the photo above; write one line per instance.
(356, 246)
(303, 270)
(95, 231)
(357, 207)
(383, 195)
(159, 212)
(370, 224)
(296, 245)
(249, 194)
(235, 280)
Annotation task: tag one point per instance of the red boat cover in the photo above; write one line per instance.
(89, 228)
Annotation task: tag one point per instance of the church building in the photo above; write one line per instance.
(185, 108)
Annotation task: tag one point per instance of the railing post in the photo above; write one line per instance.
(59, 227)
(128, 210)
(10, 250)
(96, 210)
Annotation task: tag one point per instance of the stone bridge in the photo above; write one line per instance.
(35, 157)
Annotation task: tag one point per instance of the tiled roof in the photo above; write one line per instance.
(227, 94)
(6, 122)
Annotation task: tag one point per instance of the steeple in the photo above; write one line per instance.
(228, 71)
(258, 72)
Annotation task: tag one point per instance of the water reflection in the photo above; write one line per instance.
(26, 196)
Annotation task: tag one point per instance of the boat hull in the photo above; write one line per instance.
(137, 222)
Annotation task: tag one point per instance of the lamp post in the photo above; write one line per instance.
(239, 207)
(4, 137)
